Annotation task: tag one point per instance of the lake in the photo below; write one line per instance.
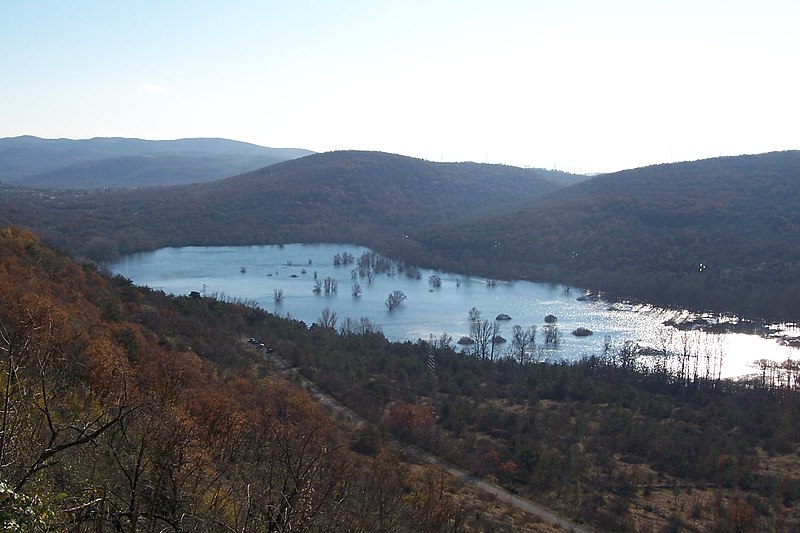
(255, 273)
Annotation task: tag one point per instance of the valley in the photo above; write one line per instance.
(607, 442)
(184, 426)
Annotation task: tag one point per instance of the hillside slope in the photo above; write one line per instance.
(129, 163)
(360, 197)
(127, 410)
(719, 233)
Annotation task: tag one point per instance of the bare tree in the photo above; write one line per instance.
(522, 340)
(394, 299)
(356, 289)
(42, 416)
(330, 285)
(366, 326)
(791, 373)
(348, 327)
(552, 335)
(484, 333)
(495, 341)
(628, 355)
(443, 342)
(328, 318)
(278, 295)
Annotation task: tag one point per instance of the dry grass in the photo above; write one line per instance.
(480, 512)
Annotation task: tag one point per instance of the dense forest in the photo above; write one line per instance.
(129, 410)
(717, 235)
(355, 197)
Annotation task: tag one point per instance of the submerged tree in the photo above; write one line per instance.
(330, 285)
(394, 299)
(552, 335)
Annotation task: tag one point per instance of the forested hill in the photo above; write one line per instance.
(719, 233)
(359, 197)
(129, 163)
(126, 410)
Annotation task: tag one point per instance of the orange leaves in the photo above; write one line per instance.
(411, 421)
(508, 469)
(106, 369)
(153, 402)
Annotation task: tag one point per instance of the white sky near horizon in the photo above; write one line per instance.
(577, 85)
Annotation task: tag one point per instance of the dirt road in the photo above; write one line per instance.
(546, 515)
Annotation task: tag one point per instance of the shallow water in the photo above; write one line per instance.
(431, 310)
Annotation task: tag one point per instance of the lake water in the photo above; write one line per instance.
(254, 273)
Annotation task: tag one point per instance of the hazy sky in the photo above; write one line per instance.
(583, 86)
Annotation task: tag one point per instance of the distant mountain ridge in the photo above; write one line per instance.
(116, 162)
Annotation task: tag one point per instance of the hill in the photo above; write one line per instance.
(129, 163)
(714, 234)
(359, 197)
(128, 410)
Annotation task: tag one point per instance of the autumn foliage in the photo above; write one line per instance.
(127, 410)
